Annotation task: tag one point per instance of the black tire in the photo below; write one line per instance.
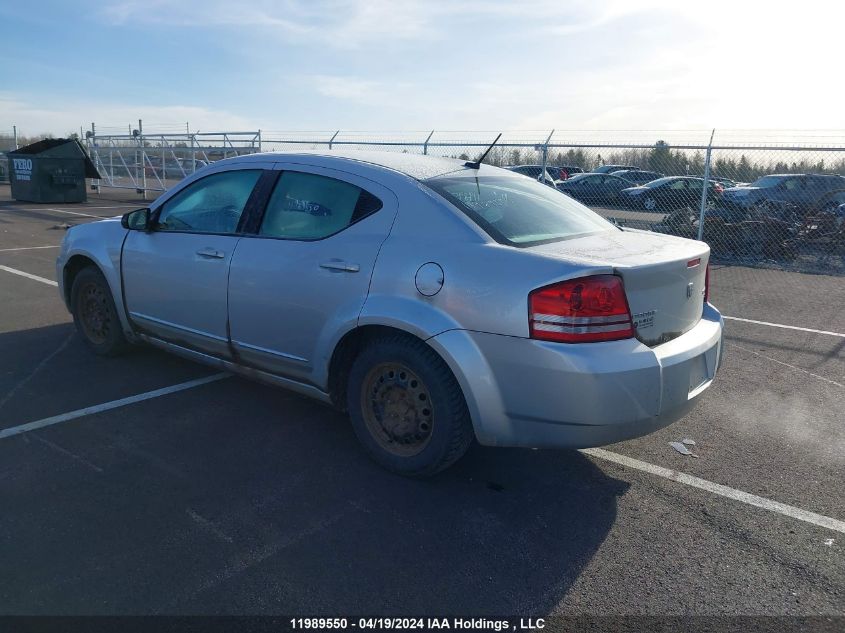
(94, 314)
(439, 434)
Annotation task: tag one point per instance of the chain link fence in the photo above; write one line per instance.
(8, 142)
(763, 204)
(773, 199)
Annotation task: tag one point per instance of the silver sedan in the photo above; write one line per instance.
(436, 301)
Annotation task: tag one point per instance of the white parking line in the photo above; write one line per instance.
(16, 208)
(780, 362)
(84, 215)
(598, 453)
(106, 406)
(26, 248)
(718, 489)
(786, 327)
(15, 271)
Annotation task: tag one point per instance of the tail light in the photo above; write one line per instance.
(707, 283)
(583, 310)
(718, 188)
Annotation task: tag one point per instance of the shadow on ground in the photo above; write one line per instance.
(237, 498)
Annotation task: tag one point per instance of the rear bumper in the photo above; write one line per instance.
(523, 392)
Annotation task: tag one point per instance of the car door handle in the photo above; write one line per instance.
(336, 264)
(211, 253)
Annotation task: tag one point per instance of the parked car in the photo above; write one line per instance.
(734, 234)
(638, 176)
(805, 191)
(822, 233)
(609, 169)
(535, 171)
(368, 281)
(831, 202)
(667, 194)
(594, 188)
(564, 172)
(727, 182)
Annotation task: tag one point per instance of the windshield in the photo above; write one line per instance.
(519, 212)
(767, 181)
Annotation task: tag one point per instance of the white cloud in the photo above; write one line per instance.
(63, 118)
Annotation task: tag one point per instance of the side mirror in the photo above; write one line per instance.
(137, 220)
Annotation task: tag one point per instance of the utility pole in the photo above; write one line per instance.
(15, 135)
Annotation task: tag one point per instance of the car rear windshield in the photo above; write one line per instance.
(517, 211)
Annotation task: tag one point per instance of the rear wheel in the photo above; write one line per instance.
(94, 313)
(406, 407)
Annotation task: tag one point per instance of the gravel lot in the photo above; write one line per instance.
(235, 498)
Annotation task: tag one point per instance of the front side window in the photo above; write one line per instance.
(213, 204)
(311, 207)
(516, 211)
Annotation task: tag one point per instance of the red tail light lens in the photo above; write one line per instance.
(584, 310)
(707, 283)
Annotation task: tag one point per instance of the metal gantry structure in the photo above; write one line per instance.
(153, 162)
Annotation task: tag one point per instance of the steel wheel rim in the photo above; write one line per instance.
(397, 409)
(650, 204)
(94, 313)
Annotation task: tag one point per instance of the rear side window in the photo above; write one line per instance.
(519, 212)
(311, 207)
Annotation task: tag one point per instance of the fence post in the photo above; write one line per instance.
(259, 141)
(706, 186)
(425, 144)
(143, 159)
(92, 145)
(333, 138)
(546, 156)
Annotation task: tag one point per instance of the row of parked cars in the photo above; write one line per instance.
(629, 186)
(777, 216)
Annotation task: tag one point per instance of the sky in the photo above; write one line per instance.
(421, 64)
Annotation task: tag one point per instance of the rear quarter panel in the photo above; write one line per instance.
(486, 284)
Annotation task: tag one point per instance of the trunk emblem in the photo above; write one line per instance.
(689, 290)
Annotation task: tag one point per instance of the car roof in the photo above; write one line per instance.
(417, 166)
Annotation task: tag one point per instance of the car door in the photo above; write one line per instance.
(590, 189)
(611, 186)
(791, 190)
(303, 277)
(175, 275)
(674, 194)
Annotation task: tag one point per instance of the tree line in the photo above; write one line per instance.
(675, 162)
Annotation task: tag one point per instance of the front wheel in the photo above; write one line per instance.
(649, 204)
(406, 407)
(94, 313)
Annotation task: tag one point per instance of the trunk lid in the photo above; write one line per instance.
(663, 282)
